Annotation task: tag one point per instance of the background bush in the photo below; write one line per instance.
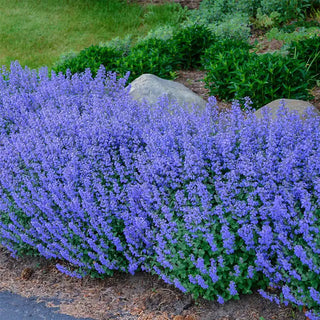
(288, 10)
(91, 58)
(288, 37)
(308, 52)
(188, 45)
(153, 56)
(161, 57)
(238, 73)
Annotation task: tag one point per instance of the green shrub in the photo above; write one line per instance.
(225, 19)
(288, 9)
(234, 27)
(119, 44)
(189, 44)
(92, 58)
(307, 52)
(238, 73)
(264, 21)
(306, 24)
(150, 56)
(213, 11)
(288, 37)
(164, 32)
(221, 47)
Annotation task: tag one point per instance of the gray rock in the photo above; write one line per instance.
(299, 106)
(151, 87)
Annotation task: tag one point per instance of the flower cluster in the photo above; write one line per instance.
(216, 203)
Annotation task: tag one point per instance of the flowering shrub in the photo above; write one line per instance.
(217, 204)
(66, 146)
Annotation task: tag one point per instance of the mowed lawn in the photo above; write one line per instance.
(37, 32)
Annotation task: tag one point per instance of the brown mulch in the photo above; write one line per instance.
(123, 296)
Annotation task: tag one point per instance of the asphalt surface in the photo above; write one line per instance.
(15, 307)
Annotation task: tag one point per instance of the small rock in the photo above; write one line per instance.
(187, 317)
(299, 106)
(178, 318)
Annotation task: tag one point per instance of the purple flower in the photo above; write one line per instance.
(201, 282)
(200, 265)
(232, 288)
(220, 299)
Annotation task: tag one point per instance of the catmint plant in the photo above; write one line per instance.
(216, 203)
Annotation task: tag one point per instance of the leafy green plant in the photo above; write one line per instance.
(237, 47)
(213, 11)
(296, 25)
(288, 37)
(238, 73)
(234, 27)
(189, 44)
(287, 9)
(150, 56)
(307, 52)
(264, 21)
(91, 58)
(119, 44)
(164, 32)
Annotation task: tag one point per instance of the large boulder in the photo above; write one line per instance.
(298, 106)
(151, 88)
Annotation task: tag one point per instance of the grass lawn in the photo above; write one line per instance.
(37, 32)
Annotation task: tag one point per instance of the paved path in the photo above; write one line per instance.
(15, 307)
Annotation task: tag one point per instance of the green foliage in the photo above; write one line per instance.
(297, 25)
(119, 44)
(307, 52)
(234, 27)
(288, 37)
(189, 43)
(287, 9)
(225, 19)
(264, 21)
(164, 32)
(213, 11)
(150, 56)
(238, 73)
(155, 55)
(92, 58)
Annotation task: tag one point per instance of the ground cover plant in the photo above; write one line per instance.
(91, 177)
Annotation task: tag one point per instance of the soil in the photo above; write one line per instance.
(123, 296)
(142, 296)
